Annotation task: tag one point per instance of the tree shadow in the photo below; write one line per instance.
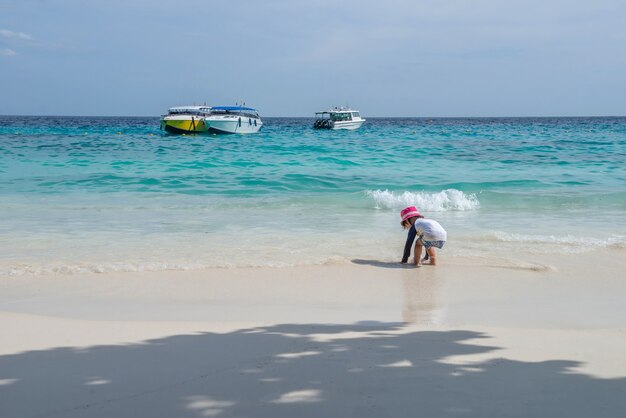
(299, 370)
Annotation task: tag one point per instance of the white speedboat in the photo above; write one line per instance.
(185, 119)
(233, 120)
(338, 118)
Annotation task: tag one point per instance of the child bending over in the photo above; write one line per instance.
(429, 233)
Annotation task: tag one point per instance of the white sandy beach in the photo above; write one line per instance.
(367, 339)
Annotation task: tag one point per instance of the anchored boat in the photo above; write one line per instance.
(233, 120)
(338, 118)
(185, 119)
(215, 120)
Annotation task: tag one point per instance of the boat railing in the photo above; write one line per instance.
(192, 113)
(220, 112)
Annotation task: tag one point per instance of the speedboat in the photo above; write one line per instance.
(338, 118)
(233, 120)
(185, 119)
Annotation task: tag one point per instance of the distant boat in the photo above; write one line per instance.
(233, 120)
(338, 118)
(207, 119)
(185, 119)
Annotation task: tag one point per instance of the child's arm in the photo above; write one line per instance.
(409, 243)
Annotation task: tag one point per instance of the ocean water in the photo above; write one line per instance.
(118, 194)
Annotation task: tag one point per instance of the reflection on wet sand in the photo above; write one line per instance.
(421, 303)
(421, 287)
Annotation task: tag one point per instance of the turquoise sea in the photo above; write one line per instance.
(82, 194)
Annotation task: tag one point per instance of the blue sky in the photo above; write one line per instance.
(291, 58)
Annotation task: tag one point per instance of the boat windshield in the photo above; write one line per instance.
(189, 111)
(235, 112)
(339, 117)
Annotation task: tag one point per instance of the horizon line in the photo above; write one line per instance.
(312, 117)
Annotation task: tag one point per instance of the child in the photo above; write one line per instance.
(428, 232)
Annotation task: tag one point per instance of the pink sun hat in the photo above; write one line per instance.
(409, 212)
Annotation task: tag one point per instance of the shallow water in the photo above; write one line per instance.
(103, 194)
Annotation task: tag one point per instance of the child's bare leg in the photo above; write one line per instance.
(418, 252)
(431, 254)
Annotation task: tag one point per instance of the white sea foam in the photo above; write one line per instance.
(566, 243)
(445, 200)
(70, 268)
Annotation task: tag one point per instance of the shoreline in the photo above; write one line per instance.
(365, 340)
(465, 287)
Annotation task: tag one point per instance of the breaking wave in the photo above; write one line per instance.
(445, 200)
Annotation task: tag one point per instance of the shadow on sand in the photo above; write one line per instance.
(385, 264)
(359, 370)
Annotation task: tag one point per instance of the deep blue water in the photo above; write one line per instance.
(547, 155)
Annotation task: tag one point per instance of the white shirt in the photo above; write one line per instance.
(431, 230)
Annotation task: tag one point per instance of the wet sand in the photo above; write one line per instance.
(367, 339)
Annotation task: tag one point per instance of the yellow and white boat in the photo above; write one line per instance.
(186, 120)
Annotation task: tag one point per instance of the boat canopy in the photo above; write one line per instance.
(342, 114)
(235, 111)
(337, 109)
(233, 108)
(194, 110)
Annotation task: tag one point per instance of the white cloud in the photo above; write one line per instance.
(9, 34)
(300, 396)
(12, 38)
(7, 52)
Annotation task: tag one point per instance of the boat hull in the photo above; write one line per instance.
(184, 125)
(337, 125)
(233, 125)
(348, 125)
